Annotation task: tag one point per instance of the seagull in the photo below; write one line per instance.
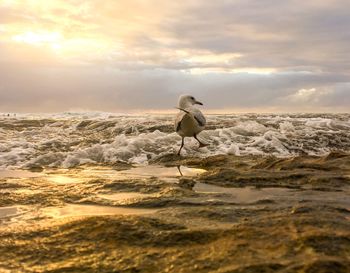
(189, 121)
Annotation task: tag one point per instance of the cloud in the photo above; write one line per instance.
(311, 95)
(112, 55)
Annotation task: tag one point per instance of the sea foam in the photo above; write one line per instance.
(71, 139)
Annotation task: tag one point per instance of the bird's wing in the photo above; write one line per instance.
(178, 120)
(198, 116)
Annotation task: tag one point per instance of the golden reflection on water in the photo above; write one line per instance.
(18, 174)
(32, 182)
(72, 210)
(163, 171)
(34, 185)
(64, 179)
(7, 211)
(242, 194)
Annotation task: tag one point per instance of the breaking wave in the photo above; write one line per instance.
(71, 139)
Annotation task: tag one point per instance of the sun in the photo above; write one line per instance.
(40, 38)
(77, 47)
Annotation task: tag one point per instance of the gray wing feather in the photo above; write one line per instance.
(199, 117)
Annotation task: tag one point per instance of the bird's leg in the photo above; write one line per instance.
(179, 169)
(201, 144)
(182, 144)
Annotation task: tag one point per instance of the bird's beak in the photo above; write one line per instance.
(198, 102)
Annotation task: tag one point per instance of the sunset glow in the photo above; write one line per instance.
(39, 38)
(174, 136)
(242, 50)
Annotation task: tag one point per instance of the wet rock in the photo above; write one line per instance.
(304, 230)
(186, 183)
(328, 266)
(35, 168)
(301, 209)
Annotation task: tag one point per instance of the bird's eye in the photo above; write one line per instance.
(192, 98)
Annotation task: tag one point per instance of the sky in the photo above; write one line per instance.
(140, 55)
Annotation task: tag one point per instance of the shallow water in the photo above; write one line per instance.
(242, 195)
(7, 211)
(122, 196)
(18, 174)
(133, 215)
(90, 210)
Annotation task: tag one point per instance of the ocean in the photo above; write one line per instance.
(106, 192)
(71, 139)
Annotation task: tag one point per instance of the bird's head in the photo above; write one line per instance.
(187, 101)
